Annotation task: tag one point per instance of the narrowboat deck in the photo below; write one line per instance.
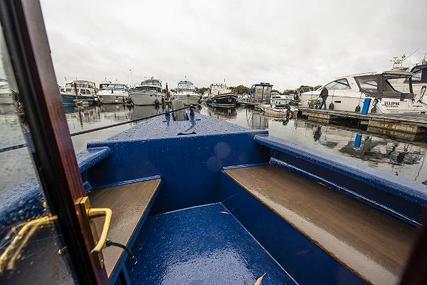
(201, 201)
(201, 245)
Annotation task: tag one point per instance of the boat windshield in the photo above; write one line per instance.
(186, 86)
(150, 88)
(108, 86)
(152, 82)
(383, 86)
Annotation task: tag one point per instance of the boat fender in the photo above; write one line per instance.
(331, 106)
(357, 109)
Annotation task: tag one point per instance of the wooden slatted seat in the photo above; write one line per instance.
(129, 204)
(370, 243)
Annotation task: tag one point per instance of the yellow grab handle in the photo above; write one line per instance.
(97, 212)
(13, 251)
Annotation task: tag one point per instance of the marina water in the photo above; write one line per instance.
(401, 158)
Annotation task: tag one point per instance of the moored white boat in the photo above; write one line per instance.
(278, 99)
(77, 92)
(148, 93)
(186, 93)
(113, 93)
(419, 79)
(384, 95)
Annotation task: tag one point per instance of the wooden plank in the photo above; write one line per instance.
(370, 243)
(129, 203)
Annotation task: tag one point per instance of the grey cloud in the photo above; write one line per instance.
(287, 43)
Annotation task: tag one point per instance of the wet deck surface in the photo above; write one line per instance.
(128, 203)
(161, 127)
(201, 245)
(370, 243)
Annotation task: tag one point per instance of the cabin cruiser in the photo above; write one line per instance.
(186, 92)
(385, 96)
(280, 100)
(183, 198)
(220, 96)
(148, 93)
(78, 92)
(5, 93)
(418, 80)
(113, 93)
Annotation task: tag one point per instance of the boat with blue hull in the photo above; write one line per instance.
(220, 96)
(181, 198)
(208, 193)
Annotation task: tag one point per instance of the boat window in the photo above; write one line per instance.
(331, 85)
(342, 84)
(399, 85)
(420, 75)
(28, 253)
(151, 88)
(368, 83)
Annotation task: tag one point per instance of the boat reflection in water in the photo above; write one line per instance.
(256, 120)
(140, 112)
(399, 158)
(222, 113)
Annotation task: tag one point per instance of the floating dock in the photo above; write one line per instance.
(412, 127)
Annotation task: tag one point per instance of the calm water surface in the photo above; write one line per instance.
(398, 158)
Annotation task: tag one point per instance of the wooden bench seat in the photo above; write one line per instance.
(129, 204)
(370, 243)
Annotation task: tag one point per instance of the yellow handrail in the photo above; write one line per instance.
(97, 212)
(13, 251)
(21, 240)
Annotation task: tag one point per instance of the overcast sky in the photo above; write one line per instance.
(286, 43)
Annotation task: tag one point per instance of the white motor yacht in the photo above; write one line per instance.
(113, 93)
(186, 93)
(148, 93)
(419, 79)
(385, 90)
(278, 100)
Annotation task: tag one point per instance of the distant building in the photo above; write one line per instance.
(261, 92)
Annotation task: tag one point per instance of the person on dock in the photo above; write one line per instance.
(323, 95)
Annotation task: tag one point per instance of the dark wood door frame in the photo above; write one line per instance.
(54, 156)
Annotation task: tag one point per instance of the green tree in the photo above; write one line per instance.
(240, 89)
(201, 90)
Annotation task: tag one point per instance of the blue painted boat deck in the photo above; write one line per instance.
(201, 245)
(161, 127)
